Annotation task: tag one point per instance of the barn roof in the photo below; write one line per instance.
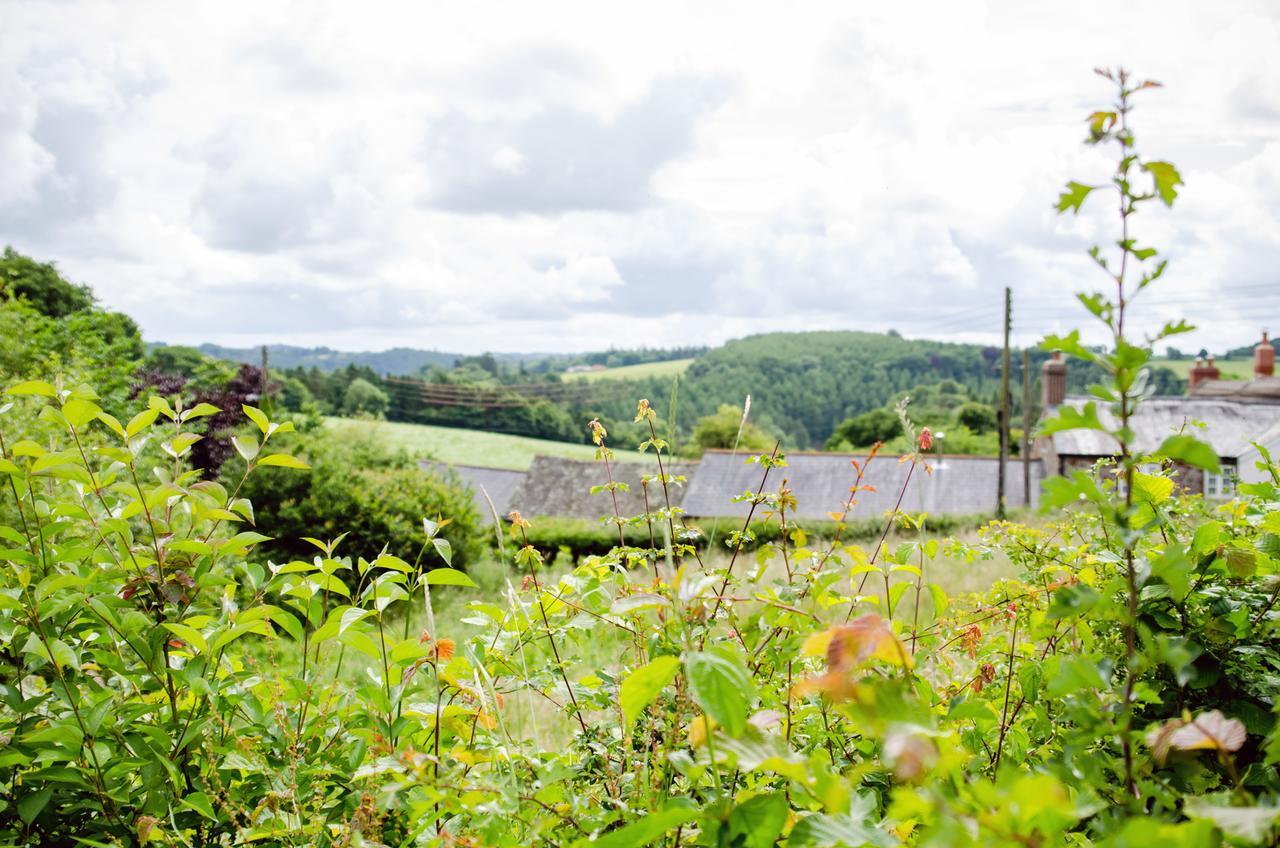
(958, 485)
(500, 483)
(562, 487)
(1230, 425)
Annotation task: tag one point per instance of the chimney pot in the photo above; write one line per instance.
(1053, 380)
(1202, 371)
(1264, 358)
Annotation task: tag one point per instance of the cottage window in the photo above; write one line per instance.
(1220, 484)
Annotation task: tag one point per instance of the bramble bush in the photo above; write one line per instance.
(161, 686)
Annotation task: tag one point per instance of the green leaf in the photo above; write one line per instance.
(257, 416)
(283, 460)
(188, 634)
(820, 830)
(246, 447)
(1167, 180)
(31, 387)
(722, 686)
(1189, 451)
(200, 410)
(646, 828)
(443, 548)
(112, 422)
(80, 412)
(448, 577)
(141, 421)
(159, 404)
(1070, 418)
(1151, 488)
(1252, 824)
(31, 805)
(200, 802)
(642, 687)
(1174, 567)
(758, 821)
(1072, 196)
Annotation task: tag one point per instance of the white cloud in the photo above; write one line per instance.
(490, 176)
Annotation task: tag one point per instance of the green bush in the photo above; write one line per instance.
(862, 431)
(582, 537)
(364, 398)
(727, 429)
(375, 496)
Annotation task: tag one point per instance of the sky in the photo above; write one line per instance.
(569, 177)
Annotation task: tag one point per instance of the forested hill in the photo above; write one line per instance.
(807, 383)
(804, 384)
(397, 360)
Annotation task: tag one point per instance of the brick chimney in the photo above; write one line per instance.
(1200, 372)
(1053, 380)
(1264, 358)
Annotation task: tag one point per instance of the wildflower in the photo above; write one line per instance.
(1211, 731)
(909, 753)
(926, 439)
(445, 649)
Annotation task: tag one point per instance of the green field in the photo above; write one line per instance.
(1232, 369)
(670, 368)
(466, 447)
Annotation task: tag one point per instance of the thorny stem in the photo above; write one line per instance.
(884, 534)
(737, 549)
(1008, 686)
(1126, 456)
(662, 478)
(537, 588)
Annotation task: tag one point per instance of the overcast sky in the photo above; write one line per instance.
(534, 176)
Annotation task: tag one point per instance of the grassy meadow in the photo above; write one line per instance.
(465, 447)
(1232, 369)
(670, 368)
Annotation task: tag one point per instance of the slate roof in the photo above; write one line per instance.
(562, 487)
(1257, 390)
(959, 485)
(500, 483)
(1230, 425)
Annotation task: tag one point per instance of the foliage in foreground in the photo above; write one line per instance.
(160, 687)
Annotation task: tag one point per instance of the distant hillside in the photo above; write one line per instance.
(396, 361)
(803, 384)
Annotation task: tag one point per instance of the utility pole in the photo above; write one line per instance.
(263, 379)
(1026, 427)
(1001, 486)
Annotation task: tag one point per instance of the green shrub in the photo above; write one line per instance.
(376, 496)
(727, 429)
(583, 537)
(364, 398)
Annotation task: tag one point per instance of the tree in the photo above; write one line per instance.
(878, 425)
(40, 284)
(175, 359)
(721, 430)
(294, 394)
(978, 417)
(364, 398)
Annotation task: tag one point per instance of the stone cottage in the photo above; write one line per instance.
(1229, 415)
